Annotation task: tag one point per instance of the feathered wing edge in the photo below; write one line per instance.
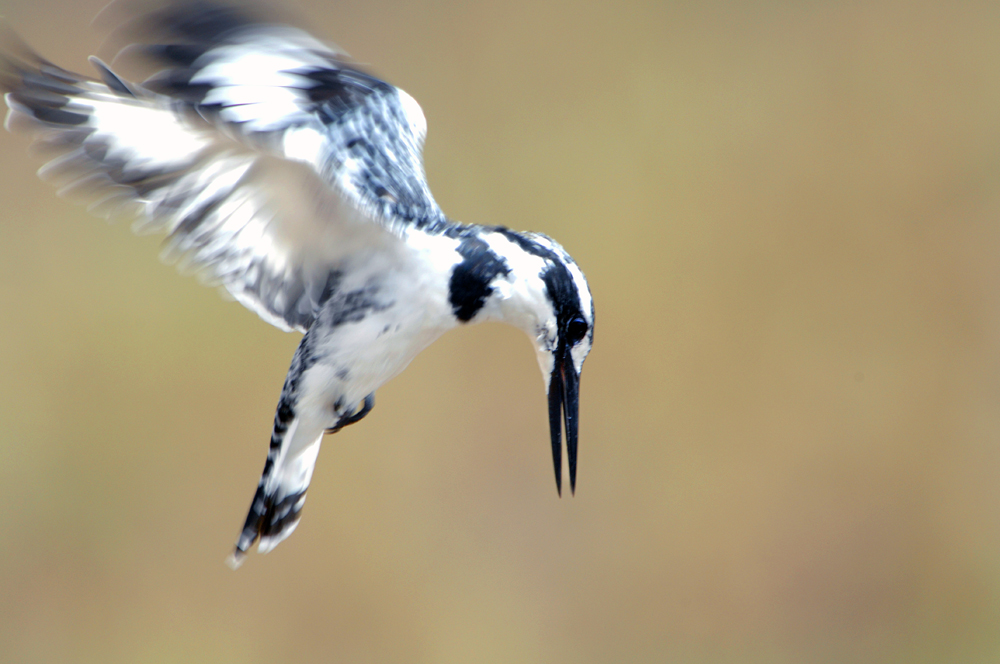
(265, 227)
(241, 68)
(257, 149)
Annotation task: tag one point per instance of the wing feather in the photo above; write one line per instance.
(265, 158)
(279, 86)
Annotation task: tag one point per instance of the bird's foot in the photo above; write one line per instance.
(354, 417)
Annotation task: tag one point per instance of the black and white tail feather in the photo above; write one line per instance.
(294, 180)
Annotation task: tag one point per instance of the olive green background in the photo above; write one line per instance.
(789, 213)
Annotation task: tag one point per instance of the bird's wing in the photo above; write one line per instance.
(271, 164)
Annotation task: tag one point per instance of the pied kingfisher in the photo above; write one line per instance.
(295, 180)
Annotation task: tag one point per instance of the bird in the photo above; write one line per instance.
(290, 177)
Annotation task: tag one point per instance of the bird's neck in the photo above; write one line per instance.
(514, 292)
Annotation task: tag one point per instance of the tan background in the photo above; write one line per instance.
(789, 213)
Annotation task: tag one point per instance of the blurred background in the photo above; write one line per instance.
(789, 214)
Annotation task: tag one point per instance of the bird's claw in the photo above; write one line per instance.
(354, 417)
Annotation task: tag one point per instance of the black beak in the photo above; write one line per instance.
(564, 406)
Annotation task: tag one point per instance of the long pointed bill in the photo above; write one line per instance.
(564, 409)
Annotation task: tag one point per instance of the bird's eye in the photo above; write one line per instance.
(576, 330)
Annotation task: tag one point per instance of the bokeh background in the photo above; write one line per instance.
(789, 213)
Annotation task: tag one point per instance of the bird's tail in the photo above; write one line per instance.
(277, 504)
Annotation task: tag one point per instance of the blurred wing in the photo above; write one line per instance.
(266, 164)
(276, 86)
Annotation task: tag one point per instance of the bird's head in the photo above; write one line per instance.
(545, 293)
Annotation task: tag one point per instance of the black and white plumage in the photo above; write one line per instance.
(295, 181)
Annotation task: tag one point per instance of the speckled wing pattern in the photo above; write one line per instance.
(265, 157)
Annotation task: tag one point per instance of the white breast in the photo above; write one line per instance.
(408, 312)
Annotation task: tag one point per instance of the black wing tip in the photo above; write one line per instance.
(200, 21)
(111, 79)
(182, 30)
(171, 39)
(177, 55)
(40, 90)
